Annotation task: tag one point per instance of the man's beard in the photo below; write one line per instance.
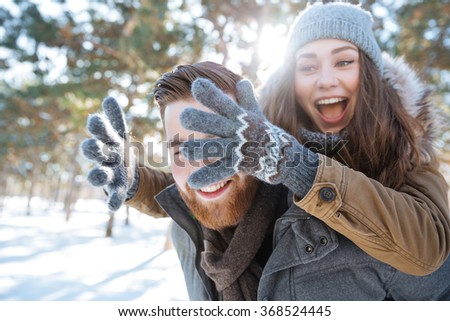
(227, 212)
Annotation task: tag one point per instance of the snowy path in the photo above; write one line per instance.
(44, 258)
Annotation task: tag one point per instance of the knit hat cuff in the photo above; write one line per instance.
(343, 30)
(343, 21)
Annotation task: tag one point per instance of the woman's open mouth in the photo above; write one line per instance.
(332, 110)
(214, 190)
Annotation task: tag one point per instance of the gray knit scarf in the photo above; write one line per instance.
(324, 143)
(229, 256)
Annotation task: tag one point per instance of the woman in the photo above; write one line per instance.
(343, 85)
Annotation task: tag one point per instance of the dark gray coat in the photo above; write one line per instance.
(309, 261)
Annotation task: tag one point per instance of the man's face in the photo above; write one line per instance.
(216, 206)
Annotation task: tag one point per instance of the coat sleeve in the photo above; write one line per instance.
(151, 182)
(408, 229)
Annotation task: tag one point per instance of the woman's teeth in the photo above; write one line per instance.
(332, 109)
(330, 101)
(214, 187)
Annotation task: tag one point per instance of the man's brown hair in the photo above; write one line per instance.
(176, 85)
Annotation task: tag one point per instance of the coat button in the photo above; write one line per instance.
(309, 248)
(323, 240)
(327, 194)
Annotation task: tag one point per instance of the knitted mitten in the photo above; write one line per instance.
(247, 143)
(117, 172)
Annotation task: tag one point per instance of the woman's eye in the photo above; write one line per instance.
(344, 63)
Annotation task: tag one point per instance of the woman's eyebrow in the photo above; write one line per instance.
(333, 52)
(338, 50)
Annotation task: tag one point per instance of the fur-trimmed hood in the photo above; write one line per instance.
(416, 99)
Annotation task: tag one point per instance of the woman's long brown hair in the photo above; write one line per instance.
(381, 136)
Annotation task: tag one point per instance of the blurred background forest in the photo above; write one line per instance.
(60, 58)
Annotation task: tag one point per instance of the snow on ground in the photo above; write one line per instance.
(44, 258)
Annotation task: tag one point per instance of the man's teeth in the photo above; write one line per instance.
(330, 101)
(212, 188)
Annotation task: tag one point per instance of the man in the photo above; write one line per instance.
(231, 222)
(223, 231)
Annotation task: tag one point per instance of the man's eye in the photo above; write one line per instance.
(306, 68)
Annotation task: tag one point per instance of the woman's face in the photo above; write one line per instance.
(326, 82)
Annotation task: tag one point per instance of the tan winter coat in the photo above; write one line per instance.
(408, 229)
(151, 182)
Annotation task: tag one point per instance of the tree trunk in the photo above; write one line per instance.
(127, 219)
(4, 189)
(57, 190)
(68, 199)
(109, 227)
(30, 184)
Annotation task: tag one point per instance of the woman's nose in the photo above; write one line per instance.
(327, 79)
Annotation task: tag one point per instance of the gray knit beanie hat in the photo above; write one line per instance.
(338, 20)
